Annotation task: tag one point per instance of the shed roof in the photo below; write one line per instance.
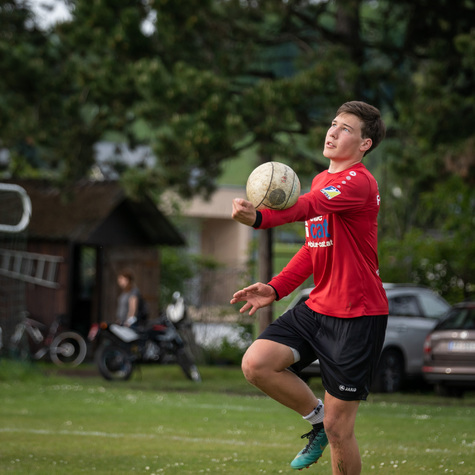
(96, 213)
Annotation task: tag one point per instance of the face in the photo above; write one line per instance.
(343, 140)
(123, 281)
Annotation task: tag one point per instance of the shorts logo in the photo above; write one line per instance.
(350, 389)
(330, 192)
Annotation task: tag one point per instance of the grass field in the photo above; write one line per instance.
(55, 422)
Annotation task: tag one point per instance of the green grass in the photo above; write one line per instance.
(71, 422)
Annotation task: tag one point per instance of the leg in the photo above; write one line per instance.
(265, 366)
(339, 424)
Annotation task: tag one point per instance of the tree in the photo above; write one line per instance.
(434, 169)
(22, 45)
(214, 78)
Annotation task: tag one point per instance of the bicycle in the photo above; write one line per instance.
(64, 347)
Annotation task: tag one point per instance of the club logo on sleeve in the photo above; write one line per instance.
(330, 192)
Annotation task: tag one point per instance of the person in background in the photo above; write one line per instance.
(129, 299)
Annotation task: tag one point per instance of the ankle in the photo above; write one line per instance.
(318, 426)
(316, 416)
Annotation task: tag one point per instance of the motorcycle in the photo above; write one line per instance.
(120, 349)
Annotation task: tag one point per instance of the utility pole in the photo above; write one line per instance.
(265, 259)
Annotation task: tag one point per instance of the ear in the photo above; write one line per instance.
(366, 144)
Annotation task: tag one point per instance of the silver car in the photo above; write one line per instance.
(413, 313)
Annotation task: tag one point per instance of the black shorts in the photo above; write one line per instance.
(348, 348)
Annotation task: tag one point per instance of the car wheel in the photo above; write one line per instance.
(390, 372)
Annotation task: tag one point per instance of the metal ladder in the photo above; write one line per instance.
(40, 269)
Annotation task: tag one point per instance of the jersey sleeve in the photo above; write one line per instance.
(294, 273)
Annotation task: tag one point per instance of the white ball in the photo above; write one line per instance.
(273, 185)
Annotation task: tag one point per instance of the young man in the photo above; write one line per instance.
(344, 320)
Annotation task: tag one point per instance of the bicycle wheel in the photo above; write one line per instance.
(68, 348)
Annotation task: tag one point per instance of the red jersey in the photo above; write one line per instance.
(340, 250)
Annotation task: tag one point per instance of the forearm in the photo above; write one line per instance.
(293, 274)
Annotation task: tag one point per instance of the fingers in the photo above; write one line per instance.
(244, 296)
(244, 293)
(243, 212)
(256, 296)
(238, 299)
(237, 206)
(246, 307)
(238, 296)
(239, 203)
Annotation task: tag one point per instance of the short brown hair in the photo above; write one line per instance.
(373, 126)
(128, 274)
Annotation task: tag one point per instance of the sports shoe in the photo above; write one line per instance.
(317, 441)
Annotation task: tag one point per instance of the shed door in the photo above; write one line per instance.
(86, 288)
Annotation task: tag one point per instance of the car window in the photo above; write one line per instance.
(403, 306)
(432, 305)
(459, 319)
(469, 323)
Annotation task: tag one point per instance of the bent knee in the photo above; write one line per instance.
(251, 368)
(257, 366)
(264, 358)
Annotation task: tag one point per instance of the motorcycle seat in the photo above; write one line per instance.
(124, 333)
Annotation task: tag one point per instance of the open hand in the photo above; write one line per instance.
(256, 296)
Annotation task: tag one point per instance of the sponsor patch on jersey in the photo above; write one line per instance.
(330, 192)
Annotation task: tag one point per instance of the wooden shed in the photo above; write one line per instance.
(76, 244)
